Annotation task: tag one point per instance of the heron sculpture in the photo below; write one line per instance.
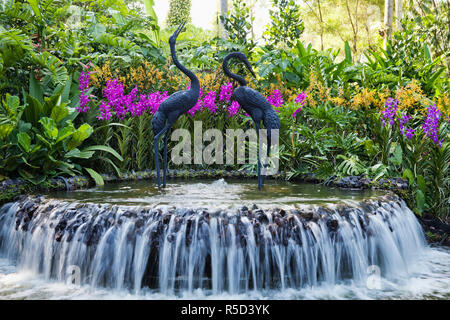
(173, 107)
(255, 104)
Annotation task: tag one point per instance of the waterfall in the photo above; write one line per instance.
(173, 251)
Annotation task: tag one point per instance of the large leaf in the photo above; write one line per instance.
(421, 184)
(81, 134)
(348, 53)
(64, 133)
(34, 4)
(427, 52)
(45, 141)
(59, 113)
(420, 200)
(105, 149)
(66, 91)
(33, 110)
(50, 128)
(149, 9)
(51, 102)
(35, 88)
(96, 176)
(76, 153)
(31, 178)
(24, 141)
(97, 30)
(67, 168)
(408, 174)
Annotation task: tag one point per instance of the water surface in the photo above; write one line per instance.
(216, 193)
(429, 279)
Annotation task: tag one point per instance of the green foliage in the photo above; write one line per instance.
(155, 30)
(437, 175)
(432, 19)
(48, 39)
(13, 47)
(10, 114)
(424, 164)
(407, 57)
(286, 26)
(39, 139)
(350, 166)
(179, 11)
(238, 26)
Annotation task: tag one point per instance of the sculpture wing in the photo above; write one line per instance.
(174, 101)
(253, 98)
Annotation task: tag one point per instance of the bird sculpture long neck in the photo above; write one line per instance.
(195, 84)
(230, 74)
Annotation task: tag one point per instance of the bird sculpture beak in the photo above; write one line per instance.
(179, 29)
(253, 73)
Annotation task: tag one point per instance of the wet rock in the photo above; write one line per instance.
(261, 216)
(366, 206)
(307, 215)
(130, 214)
(243, 208)
(278, 221)
(324, 212)
(362, 222)
(315, 217)
(344, 210)
(139, 223)
(332, 225)
(166, 218)
(58, 236)
(290, 219)
(273, 229)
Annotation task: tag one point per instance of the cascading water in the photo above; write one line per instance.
(225, 251)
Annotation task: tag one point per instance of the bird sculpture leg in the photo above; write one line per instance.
(166, 137)
(259, 160)
(269, 144)
(156, 139)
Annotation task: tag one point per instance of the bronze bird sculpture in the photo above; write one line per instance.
(173, 107)
(255, 104)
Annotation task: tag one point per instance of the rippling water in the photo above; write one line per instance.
(429, 279)
(216, 194)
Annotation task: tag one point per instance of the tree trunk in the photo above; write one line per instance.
(398, 13)
(353, 24)
(223, 12)
(388, 13)
(321, 25)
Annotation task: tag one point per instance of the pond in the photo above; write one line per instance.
(231, 193)
(217, 239)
